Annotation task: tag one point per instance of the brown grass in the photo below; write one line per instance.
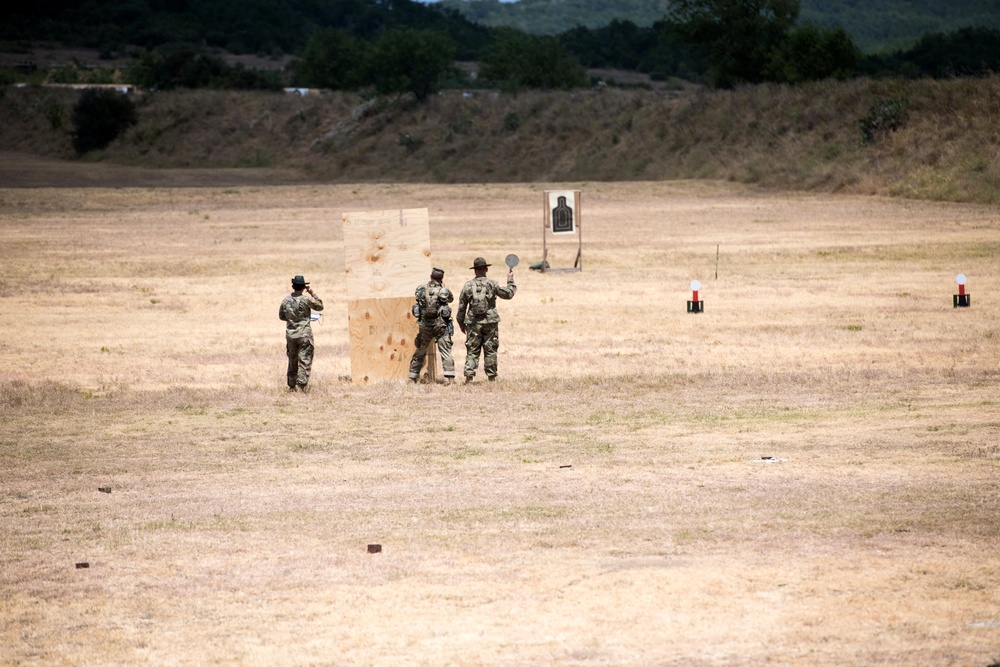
(605, 503)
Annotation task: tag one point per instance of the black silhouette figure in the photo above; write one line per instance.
(562, 218)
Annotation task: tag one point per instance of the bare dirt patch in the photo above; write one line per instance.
(609, 501)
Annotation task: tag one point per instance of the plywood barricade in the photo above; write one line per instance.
(561, 219)
(387, 255)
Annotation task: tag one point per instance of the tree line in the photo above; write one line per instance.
(876, 27)
(261, 27)
(397, 46)
(725, 43)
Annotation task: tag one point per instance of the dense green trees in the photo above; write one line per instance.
(657, 50)
(739, 37)
(876, 27)
(811, 53)
(332, 59)
(401, 60)
(965, 52)
(516, 60)
(415, 61)
(418, 61)
(392, 46)
(619, 44)
(183, 67)
(722, 42)
(264, 27)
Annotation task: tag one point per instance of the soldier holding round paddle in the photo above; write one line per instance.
(478, 317)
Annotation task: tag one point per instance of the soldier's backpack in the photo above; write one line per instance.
(431, 306)
(482, 295)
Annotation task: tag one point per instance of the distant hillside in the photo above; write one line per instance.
(880, 25)
(934, 139)
(551, 17)
(875, 25)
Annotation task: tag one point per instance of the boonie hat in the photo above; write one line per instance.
(479, 263)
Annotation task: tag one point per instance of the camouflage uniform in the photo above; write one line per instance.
(437, 328)
(296, 311)
(482, 332)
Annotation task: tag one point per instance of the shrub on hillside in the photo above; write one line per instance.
(99, 116)
(884, 116)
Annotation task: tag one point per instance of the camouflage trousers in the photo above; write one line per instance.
(300, 358)
(424, 340)
(482, 337)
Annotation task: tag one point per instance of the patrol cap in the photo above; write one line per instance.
(437, 272)
(479, 263)
(299, 281)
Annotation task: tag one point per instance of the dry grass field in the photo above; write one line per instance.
(608, 502)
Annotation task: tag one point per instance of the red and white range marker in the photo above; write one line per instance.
(694, 305)
(961, 300)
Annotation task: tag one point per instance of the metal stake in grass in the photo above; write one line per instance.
(694, 305)
(961, 300)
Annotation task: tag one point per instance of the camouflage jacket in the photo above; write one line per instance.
(296, 312)
(465, 299)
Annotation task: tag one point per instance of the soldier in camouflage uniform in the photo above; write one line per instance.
(434, 315)
(296, 311)
(479, 320)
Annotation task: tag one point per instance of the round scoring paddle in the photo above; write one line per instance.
(511, 261)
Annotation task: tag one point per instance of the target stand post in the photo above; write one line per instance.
(961, 300)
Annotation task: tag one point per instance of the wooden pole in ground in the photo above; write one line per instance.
(432, 362)
(545, 228)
